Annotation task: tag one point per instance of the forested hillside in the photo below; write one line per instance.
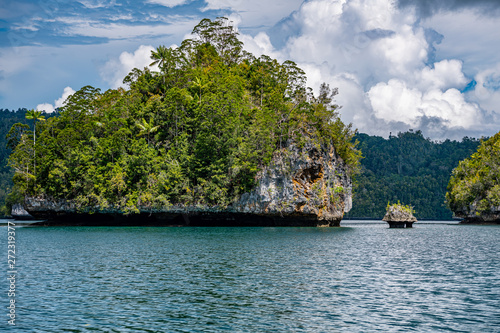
(7, 119)
(194, 133)
(474, 188)
(409, 168)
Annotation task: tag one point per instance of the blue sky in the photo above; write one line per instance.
(426, 65)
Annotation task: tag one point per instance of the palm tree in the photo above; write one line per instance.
(160, 56)
(147, 128)
(164, 58)
(35, 115)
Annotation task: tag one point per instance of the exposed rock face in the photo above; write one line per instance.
(311, 182)
(19, 213)
(473, 216)
(307, 186)
(399, 218)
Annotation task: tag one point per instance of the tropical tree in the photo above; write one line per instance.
(199, 84)
(35, 115)
(165, 58)
(159, 56)
(147, 128)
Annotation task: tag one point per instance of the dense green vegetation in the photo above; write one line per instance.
(7, 119)
(409, 168)
(400, 207)
(196, 132)
(476, 180)
(382, 178)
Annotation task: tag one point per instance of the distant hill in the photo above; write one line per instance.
(409, 168)
(474, 188)
(7, 119)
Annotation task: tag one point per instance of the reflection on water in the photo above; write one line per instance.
(359, 278)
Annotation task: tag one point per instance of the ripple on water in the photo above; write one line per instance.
(433, 278)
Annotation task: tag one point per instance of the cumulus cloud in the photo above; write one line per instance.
(443, 75)
(395, 101)
(115, 70)
(47, 107)
(384, 59)
(487, 88)
(259, 45)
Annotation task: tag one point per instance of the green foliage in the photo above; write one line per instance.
(406, 167)
(476, 180)
(400, 207)
(196, 132)
(13, 126)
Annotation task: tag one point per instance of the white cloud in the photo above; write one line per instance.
(68, 91)
(115, 70)
(93, 4)
(259, 45)
(378, 55)
(47, 107)
(171, 25)
(405, 50)
(445, 74)
(168, 3)
(111, 30)
(487, 89)
(396, 102)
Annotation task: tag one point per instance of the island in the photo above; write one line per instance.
(207, 135)
(400, 216)
(474, 188)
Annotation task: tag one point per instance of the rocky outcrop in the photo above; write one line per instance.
(19, 213)
(399, 216)
(308, 186)
(472, 215)
(310, 183)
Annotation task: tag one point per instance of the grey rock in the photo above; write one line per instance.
(399, 218)
(394, 214)
(19, 213)
(472, 215)
(310, 181)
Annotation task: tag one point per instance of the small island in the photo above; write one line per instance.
(474, 188)
(400, 216)
(208, 134)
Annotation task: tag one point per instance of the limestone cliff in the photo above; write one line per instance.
(399, 216)
(19, 213)
(308, 186)
(311, 182)
(473, 215)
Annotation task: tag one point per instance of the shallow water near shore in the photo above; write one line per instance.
(362, 277)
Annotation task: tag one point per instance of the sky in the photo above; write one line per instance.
(423, 65)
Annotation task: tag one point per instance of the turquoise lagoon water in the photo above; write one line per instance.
(362, 277)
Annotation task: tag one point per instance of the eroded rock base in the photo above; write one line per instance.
(194, 220)
(400, 224)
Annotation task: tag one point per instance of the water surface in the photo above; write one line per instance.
(363, 277)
